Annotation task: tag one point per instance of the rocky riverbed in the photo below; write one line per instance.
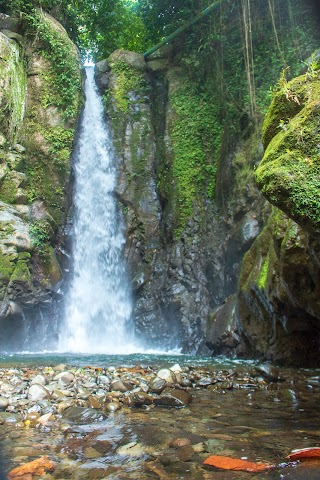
(143, 422)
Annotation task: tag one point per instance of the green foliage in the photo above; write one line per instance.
(263, 275)
(290, 170)
(64, 66)
(40, 233)
(127, 81)
(195, 132)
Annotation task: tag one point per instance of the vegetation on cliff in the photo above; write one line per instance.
(289, 172)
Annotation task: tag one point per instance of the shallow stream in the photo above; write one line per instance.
(241, 414)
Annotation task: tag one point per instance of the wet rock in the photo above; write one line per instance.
(213, 445)
(83, 392)
(174, 398)
(269, 372)
(205, 381)
(4, 402)
(91, 453)
(37, 392)
(140, 399)
(82, 415)
(95, 402)
(38, 379)
(103, 380)
(112, 406)
(157, 385)
(199, 447)
(167, 375)
(132, 449)
(118, 386)
(64, 378)
(102, 446)
(180, 442)
(185, 453)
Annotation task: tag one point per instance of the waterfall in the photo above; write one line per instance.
(98, 310)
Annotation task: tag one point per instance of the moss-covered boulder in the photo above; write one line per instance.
(40, 99)
(13, 82)
(278, 308)
(289, 173)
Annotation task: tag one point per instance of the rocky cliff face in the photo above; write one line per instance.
(279, 300)
(189, 243)
(184, 248)
(37, 127)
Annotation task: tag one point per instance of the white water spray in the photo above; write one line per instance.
(97, 316)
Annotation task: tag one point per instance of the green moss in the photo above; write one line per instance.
(195, 132)
(50, 266)
(6, 229)
(12, 73)
(289, 174)
(263, 275)
(40, 233)
(21, 273)
(8, 190)
(129, 80)
(63, 76)
(6, 268)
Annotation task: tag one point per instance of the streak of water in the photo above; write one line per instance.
(97, 316)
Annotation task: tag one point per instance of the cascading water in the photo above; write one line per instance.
(98, 311)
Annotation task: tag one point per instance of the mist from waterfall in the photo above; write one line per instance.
(98, 310)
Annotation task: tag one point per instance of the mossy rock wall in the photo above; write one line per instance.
(13, 80)
(278, 303)
(289, 173)
(276, 312)
(168, 145)
(40, 101)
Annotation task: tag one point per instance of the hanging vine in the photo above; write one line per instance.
(248, 56)
(271, 10)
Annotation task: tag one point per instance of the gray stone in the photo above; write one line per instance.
(64, 378)
(4, 402)
(167, 375)
(141, 398)
(174, 398)
(19, 148)
(37, 392)
(9, 23)
(103, 380)
(157, 385)
(82, 415)
(132, 59)
(14, 36)
(39, 379)
(118, 386)
(102, 66)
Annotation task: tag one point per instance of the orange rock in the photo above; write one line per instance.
(37, 467)
(304, 453)
(229, 463)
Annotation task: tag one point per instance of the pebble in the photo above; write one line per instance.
(4, 402)
(37, 392)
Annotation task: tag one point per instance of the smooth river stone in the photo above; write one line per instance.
(37, 392)
(174, 398)
(167, 375)
(39, 380)
(83, 416)
(4, 402)
(64, 378)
